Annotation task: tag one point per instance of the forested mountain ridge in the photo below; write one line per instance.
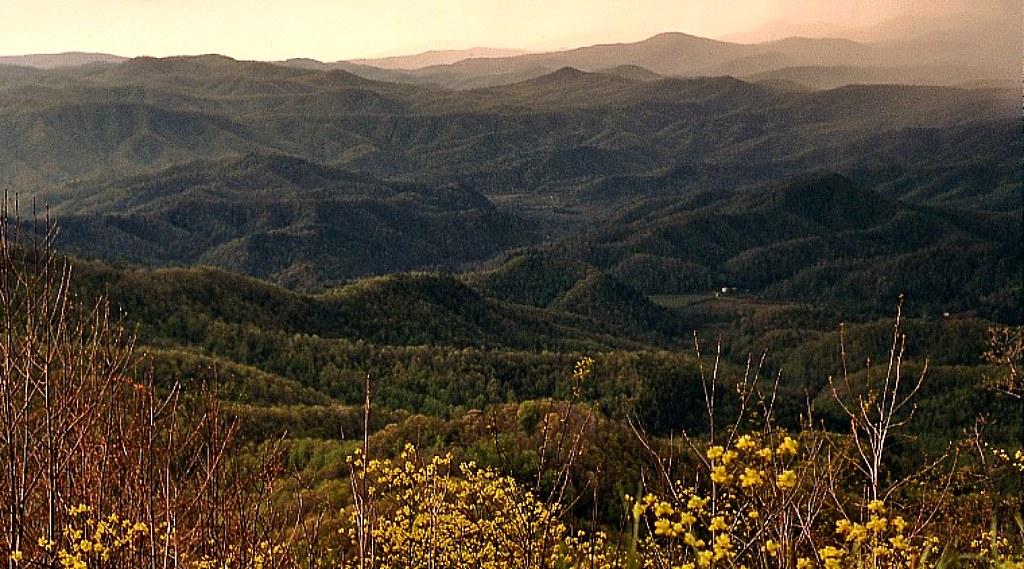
(284, 219)
(175, 304)
(567, 130)
(304, 225)
(821, 238)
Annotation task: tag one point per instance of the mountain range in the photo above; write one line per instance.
(567, 129)
(923, 50)
(932, 59)
(675, 165)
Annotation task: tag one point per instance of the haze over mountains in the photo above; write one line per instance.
(913, 49)
(936, 59)
(981, 22)
(436, 57)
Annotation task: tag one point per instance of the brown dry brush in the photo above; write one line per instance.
(77, 429)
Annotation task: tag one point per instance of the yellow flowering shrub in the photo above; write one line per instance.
(729, 518)
(758, 507)
(882, 540)
(434, 514)
(88, 540)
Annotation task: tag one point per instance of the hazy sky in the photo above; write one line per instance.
(345, 29)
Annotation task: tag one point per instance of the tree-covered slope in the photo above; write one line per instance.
(180, 305)
(824, 239)
(283, 219)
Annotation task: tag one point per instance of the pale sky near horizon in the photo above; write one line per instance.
(346, 29)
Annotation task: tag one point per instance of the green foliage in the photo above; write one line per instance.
(821, 239)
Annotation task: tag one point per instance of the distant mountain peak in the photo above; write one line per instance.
(437, 57)
(673, 38)
(566, 73)
(57, 60)
(147, 63)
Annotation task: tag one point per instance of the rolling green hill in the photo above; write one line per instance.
(435, 345)
(177, 305)
(283, 219)
(572, 287)
(822, 239)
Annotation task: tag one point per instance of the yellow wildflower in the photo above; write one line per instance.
(663, 509)
(787, 479)
(723, 546)
(638, 509)
(876, 524)
(696, 503)
(746, 442)
(787, 447)
(857, 533)
(663, 527)
(719, 475)
(751, 477)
